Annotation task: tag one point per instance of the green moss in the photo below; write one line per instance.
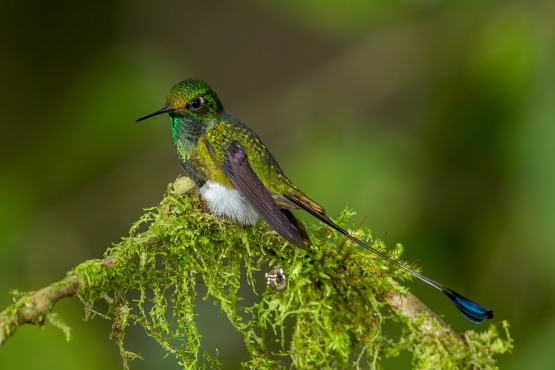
(333, 294)
(56, 320)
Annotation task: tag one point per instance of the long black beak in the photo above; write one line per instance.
(155, 113)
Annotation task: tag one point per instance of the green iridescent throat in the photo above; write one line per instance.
(186, 133)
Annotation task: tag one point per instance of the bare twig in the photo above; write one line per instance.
(412, 308)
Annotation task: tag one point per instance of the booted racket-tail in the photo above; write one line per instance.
(240, 179)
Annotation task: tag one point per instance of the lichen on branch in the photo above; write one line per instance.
(337, 298)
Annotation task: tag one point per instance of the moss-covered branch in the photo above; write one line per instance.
(34, 307)
(335, 297)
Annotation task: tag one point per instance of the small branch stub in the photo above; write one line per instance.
(183, 185)
(276, 279)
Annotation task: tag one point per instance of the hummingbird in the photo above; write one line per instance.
(240, 179)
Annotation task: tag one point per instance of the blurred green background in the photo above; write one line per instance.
(432, 119)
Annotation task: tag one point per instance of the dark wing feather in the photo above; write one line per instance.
(237, 167)
(298, 225)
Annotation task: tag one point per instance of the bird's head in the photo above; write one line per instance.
(190, 99)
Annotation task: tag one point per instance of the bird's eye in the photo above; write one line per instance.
(196, 103)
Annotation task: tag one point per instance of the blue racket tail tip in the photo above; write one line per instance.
(471, 310)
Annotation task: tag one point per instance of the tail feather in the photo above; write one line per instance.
(471, 310)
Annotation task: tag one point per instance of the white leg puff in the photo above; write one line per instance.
(227, 202)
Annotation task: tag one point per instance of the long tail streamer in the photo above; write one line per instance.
(471, 310)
